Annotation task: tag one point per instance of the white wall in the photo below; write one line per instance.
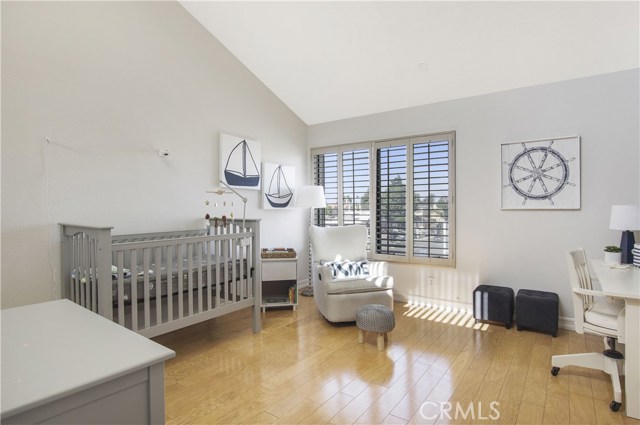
(111, 83)
(520, 249)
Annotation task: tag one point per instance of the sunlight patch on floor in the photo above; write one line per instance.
(447, 315)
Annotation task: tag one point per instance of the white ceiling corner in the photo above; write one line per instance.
(334, 60)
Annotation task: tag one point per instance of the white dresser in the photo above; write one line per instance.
(61, 363)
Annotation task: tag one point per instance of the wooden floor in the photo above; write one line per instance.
(438, 367)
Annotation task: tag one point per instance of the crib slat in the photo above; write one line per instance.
(217, 281)
(73, 281)
(147, 301)
(90, 272)
(208, 289)
(91, 285)
(234, 256)
(230, 267)
(93, 288)
(190, 278)
(223, 268)
(180, 282)
(134, 289)
(83, 272)
(250, 278)
(158, 260)
(169, 283)
(79, 271)
(243, 279)
(201, 289)
(120, 266)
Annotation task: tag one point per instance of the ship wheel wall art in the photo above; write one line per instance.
(240, 162)
(541, 174)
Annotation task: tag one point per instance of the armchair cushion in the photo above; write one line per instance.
(332, 284)
(603, 314)
(358, 284)
(347, 268)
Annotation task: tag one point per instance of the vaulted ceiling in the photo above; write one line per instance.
(334, 60)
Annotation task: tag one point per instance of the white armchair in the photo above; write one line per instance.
(339, 293)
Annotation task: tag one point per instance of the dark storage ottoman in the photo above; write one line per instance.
(494, 303)
(537, 310)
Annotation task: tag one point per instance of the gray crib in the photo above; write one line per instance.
(154, 283)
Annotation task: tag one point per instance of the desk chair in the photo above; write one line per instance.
(595, 316)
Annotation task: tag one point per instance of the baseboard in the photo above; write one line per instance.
(303, 282)
(567, 323)
(442, 303)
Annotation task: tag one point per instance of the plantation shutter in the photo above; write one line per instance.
(391, 201)
(355, 187)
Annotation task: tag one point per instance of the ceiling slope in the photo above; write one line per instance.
(334, 60)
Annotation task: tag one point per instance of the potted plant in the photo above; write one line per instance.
(612, 254)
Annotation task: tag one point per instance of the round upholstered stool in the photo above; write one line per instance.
(375, 318)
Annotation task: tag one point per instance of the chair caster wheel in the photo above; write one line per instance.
(555, 370)
(615, 406)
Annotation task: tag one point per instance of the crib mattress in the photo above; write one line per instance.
(199, 266)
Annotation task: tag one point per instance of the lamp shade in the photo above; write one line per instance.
(310, 197)
(624, 217)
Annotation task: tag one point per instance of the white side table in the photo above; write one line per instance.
(279, 282)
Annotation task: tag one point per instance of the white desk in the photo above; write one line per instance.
(61, 363)
(625, 284)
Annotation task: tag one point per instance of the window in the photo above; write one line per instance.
(410, 211)
(325, 173)
(344, 173)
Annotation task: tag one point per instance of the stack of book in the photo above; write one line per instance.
(636, 254)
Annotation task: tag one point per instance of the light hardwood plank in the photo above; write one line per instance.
(530, 413)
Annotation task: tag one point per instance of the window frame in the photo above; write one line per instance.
(409, 142)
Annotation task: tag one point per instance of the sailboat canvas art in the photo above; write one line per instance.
(239, 162)
(278, 183)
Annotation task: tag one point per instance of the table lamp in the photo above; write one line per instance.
(309, 197)
(627, 219)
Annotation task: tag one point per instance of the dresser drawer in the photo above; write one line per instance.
(279, 270)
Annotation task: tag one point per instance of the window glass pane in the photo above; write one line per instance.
(355, 187)
(325, 173)
(431, 199)
(391, 194)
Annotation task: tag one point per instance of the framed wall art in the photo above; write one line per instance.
(541, 174)
(239, 162)
(278, 183)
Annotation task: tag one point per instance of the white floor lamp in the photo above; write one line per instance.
(309, 197)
